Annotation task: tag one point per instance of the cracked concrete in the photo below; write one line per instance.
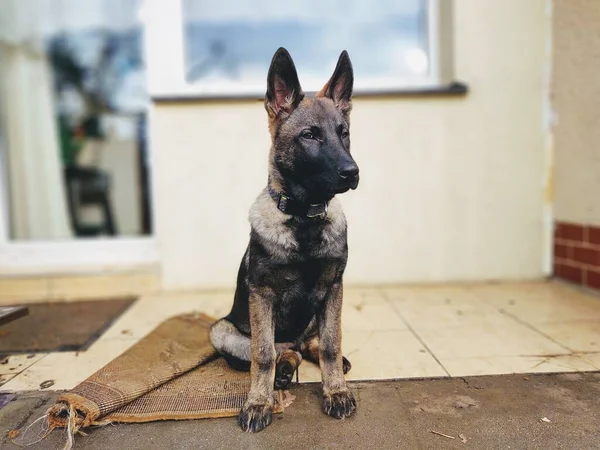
(490, 412)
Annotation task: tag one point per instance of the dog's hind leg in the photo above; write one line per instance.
(288, 362)
(310, 351)
(235, 348)
(230, 343)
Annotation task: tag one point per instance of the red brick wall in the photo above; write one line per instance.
(577, 254)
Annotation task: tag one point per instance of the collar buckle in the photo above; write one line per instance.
(289, 206)
(282, 202)
(322, 214)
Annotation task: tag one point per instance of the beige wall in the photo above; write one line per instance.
(576, 101)
(451, 189)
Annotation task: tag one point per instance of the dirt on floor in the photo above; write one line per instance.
(555, 411)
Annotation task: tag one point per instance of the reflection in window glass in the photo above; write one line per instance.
(76, 149)
(229, 44)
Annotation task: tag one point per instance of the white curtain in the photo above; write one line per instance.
(36, 190)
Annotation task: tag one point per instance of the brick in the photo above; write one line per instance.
(569, 231)
(593, 279)
(594, 235)
(590, 256)
(561, 250)
(570, 273)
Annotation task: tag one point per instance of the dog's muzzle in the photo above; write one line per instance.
(349, 175)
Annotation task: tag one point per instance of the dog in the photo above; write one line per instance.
(288, 299)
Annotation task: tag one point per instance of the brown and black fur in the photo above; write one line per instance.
(288, 300)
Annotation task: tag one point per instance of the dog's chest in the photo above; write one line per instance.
(301, 289)
(298, 260)
(319, 240)
(286, 239)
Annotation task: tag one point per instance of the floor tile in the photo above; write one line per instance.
(380, 355)
(67, 369)
(592, 359)
(17, 363)
(5, 378)
(366, 310)
(495, 338)
(429, 310)
(412, 293)
(97, 286)
(309, 372)
(377, 355)
(579, 336)
(547, 302)
(463, 367)
(23, 290)
(150, 311)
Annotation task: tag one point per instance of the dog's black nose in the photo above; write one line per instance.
(348, 171)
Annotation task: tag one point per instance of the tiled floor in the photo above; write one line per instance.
(405, 332)
(76, 287)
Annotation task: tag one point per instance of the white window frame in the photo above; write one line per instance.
(76, 255)
(164, 34)
(73, 255)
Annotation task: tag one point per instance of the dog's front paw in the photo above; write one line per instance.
(339, 405)
(255, 418)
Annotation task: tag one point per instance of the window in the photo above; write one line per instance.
(73, 105)
(207, 48)
(74, 186)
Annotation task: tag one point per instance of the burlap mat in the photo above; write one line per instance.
(171, 374)
(211, 390)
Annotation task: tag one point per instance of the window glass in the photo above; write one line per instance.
(229, 44)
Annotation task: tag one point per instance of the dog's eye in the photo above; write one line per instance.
(345, 134)
(308, 135)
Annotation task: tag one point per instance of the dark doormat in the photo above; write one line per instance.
(61, 326)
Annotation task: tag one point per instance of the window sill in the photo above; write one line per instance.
(454, 89)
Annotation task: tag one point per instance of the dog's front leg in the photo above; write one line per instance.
(256, 414)
(338, 401)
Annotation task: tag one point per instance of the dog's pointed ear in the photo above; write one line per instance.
(340, 85)
(284, 92)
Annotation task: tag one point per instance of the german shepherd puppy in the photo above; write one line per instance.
(288, 299)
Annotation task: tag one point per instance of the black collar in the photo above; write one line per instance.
(293, 207)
